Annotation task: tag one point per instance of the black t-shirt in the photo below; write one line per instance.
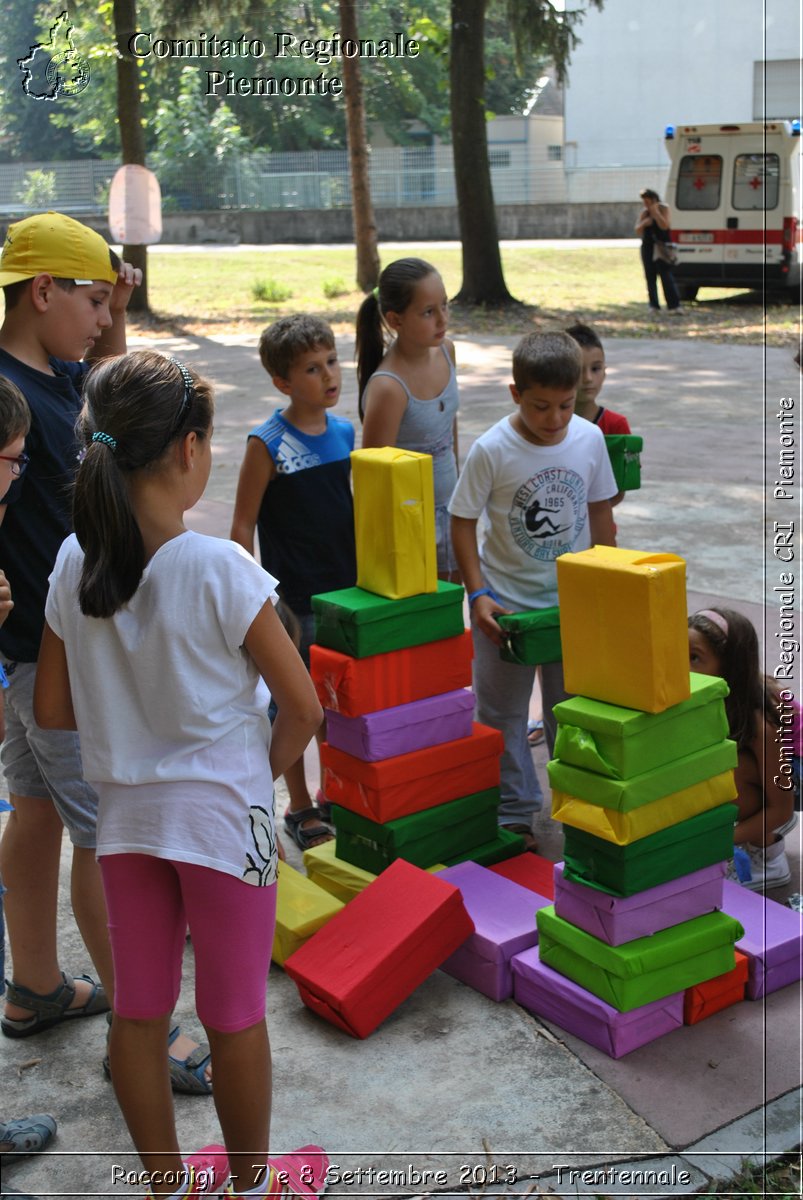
(38, 516)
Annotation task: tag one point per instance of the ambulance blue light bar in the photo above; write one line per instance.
(795, 129)
(669, 132)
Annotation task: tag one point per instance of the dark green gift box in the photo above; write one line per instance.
(530, 638)
(624, 451)
(505, 844)
(645, 969)
(423, 838)
(678, 850)
(360, 623)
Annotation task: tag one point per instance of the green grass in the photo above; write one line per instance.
(207, 292)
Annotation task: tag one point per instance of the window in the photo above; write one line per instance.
(699, 182)
(499, 158)
(755, 181)
(554, 153)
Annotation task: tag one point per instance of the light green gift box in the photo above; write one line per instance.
(622, 742)
(627, 794)
(645, 969)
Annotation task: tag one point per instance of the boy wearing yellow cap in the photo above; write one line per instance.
(65, 299)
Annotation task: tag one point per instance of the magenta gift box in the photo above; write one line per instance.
(503, 913)
(773, 938)
(403, 728)
(547, 994)
(619, 919)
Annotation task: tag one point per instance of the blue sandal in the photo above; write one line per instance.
(26, 1135)
(187, 1075)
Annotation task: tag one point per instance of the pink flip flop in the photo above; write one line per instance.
(209, 1169)
(305, 1169)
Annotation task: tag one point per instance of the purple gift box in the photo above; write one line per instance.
(503, 913)
(547, 994)
(619, 919)
(773, 939)
(403, 728)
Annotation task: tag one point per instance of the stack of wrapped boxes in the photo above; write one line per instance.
(642, 782)
(409, 773)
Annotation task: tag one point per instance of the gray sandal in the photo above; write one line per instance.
(305, 839)
(52, 1009)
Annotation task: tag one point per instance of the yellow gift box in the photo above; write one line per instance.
(623, 627)
(394, 522)
(622, 828)
(336, 876)
(302, 908)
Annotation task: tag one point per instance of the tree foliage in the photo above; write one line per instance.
(396, 91)
(538, 30)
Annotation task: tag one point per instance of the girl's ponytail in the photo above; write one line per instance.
(135, 407)
(394, 294)
(370, 344)
(104, 522)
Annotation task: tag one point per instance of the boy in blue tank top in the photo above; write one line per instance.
(294, 490)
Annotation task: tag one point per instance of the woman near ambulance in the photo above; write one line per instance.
(653, 226)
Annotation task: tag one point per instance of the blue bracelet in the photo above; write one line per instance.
(483, 591)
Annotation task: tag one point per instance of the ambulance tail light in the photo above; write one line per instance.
(789, 237)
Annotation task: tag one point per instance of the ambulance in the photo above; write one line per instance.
(735, 195)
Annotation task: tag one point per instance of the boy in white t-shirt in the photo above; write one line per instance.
(542, 481)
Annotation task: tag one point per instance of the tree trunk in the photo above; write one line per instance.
(483, 281)
(132, 137)
(361, 207)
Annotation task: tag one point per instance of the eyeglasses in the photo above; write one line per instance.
(19, 463)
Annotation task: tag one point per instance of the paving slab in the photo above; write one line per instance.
(759, 1136)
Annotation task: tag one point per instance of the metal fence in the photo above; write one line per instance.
(401, 177)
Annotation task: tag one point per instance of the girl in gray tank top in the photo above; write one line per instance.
(408, 390)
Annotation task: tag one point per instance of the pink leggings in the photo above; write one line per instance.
(150, 901)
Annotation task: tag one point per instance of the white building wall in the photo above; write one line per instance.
(644, 64)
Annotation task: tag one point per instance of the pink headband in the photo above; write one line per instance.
(715, 618)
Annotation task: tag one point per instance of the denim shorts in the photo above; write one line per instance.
(45, 764)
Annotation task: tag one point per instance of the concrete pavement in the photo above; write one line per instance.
(453, 1092)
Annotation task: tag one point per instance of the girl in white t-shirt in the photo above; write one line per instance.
(162, 648)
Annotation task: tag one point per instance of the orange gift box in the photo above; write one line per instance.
(705, 999)
(355, 686)
(377, 950)
(409, 783)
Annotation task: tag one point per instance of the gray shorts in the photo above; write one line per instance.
(45, 764)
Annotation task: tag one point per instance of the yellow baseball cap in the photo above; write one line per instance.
(56, 245)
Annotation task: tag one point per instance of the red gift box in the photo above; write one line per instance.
(355, 686)
(705, 999)
(409, 783)
(377, 950)
(531, 871)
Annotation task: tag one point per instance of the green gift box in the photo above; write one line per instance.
(622, 742)
(361, 623)
(624, 451)
(645, 969)
(504, 844)
(530, 638)
(627, 794)
(678, 850)
(422, 838)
